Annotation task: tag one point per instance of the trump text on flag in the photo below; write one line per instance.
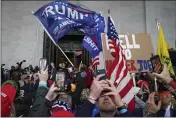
(59, 18)
(63, 9)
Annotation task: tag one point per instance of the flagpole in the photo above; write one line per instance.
(107, 20)
(65, 55)
(155, 79)
(102, 54)
(54, 42)
(134, 80)
(156, 85)
(157, 23)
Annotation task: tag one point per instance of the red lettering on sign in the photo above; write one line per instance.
(128, 64)
(131, 66)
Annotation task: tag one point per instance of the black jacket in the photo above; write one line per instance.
(77, 94)
(161, 113)
(41, 106)
(86, 111)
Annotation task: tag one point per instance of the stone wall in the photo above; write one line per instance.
(22, 35)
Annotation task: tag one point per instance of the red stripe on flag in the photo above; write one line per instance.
(95, 59)
(112, 67)
(119, 71)
(126, 89)
(124, 73)
(131, 105)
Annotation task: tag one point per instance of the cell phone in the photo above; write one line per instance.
(60, 81)
(156, 99)
(101, 71)
(156, 64)
(42, 63)
(144, 96)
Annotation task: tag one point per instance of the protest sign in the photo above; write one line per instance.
(137, 50)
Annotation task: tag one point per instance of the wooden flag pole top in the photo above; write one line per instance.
(155, 79)
(109, 11)
(157, 23)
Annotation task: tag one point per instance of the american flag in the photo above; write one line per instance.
(95, 62)
(119, 72)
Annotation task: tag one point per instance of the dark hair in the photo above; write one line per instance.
(16, 75)
(36, 69)
(32, 77)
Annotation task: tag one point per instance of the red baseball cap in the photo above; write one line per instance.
(163, 93)
(62, 113)
(8, 93)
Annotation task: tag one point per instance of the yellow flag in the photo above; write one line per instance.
(162, 50)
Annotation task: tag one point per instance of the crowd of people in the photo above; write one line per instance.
(33, 93)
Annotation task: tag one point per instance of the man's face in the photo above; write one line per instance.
(105, 103)
(165, 97)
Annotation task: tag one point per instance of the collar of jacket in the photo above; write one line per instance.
(162, 112)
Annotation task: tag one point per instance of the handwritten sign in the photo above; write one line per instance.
(137, 49)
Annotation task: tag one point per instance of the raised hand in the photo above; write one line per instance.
(43, 74)
(164, 75)
(114, 94)
(97, 87)
(151, 106)
(52, 94)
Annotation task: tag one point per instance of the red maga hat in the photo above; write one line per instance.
(8, 93)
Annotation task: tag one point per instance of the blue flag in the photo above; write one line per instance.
(97, 40)
(59, 18)
(89, 44)
(100, 29)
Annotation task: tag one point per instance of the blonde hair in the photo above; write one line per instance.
(65, 97)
